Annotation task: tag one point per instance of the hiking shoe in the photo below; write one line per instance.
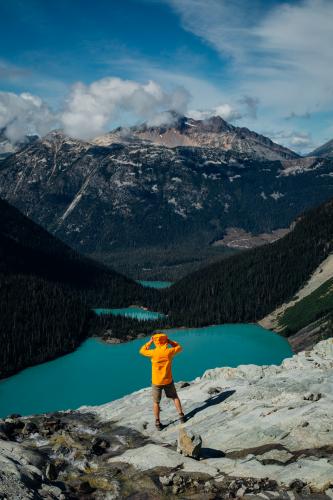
(182, 418)
(158, 425)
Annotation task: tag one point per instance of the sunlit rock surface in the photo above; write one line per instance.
(267, 432)
(270, 421)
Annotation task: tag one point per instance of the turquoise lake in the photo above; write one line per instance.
(97, 373)
(155, 284)
(130, 312)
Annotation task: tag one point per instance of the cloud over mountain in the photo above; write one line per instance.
(89, 109)
(22, 114)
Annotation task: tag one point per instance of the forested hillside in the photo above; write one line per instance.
(247, 286)
(47, 291)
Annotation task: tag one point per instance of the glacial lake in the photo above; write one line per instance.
(155, 284)
(130, 312)
(97, 372)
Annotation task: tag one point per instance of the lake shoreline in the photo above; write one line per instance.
(111, 436)
(98, 371)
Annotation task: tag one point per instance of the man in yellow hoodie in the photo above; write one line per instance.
(161, 359)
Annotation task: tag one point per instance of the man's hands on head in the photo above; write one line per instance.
(167, 341)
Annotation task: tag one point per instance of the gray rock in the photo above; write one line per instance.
(312, 397)
(165, 480)
(51, 472)
(189, 444)
(282, 456)
(240, 492)
(214, 390)
(52, 490)
(253, 421)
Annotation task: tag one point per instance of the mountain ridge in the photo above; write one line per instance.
(213, 132)
(147, 196)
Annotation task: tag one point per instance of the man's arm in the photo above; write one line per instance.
(145, 349)
(175, 347)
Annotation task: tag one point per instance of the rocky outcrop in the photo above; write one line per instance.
(308, 336)
(267, 432)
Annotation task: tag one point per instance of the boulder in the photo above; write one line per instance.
(189, 444)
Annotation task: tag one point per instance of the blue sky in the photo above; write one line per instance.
(86, 66)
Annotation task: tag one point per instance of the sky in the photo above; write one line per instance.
(89, 66)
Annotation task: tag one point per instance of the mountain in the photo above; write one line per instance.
(213, 132)
(247, 286)
(324, 151)
(149, 210)
(47, 291)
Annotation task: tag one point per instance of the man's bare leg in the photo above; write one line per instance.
(156, 408)
(178, 406)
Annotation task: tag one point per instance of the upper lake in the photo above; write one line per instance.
(130, 312)
(97, 372)
(155, 284)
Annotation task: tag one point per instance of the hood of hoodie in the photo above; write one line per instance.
(160, 339)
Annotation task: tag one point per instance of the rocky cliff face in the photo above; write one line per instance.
(267, 432)
(102, 199)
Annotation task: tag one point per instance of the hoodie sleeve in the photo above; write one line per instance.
(145, 351)
(175, 348)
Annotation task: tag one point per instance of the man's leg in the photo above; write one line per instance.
(156, 408)
(178, 405)
(156, 393)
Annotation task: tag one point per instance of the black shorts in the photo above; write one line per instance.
(169, 389)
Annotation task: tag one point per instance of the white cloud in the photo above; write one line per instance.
(90, 108)
(281, 54)
(24, 114)
(251, 103)
(301, 142)
(225, 111)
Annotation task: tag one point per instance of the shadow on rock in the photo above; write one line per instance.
(211, 453)
(210, 402)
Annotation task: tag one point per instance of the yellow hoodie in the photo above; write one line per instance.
(161, 358)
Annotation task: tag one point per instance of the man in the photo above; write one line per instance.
(161, 359)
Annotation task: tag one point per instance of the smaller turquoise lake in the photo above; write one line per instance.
(130, 312)
(155, 284)
(97, 373)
